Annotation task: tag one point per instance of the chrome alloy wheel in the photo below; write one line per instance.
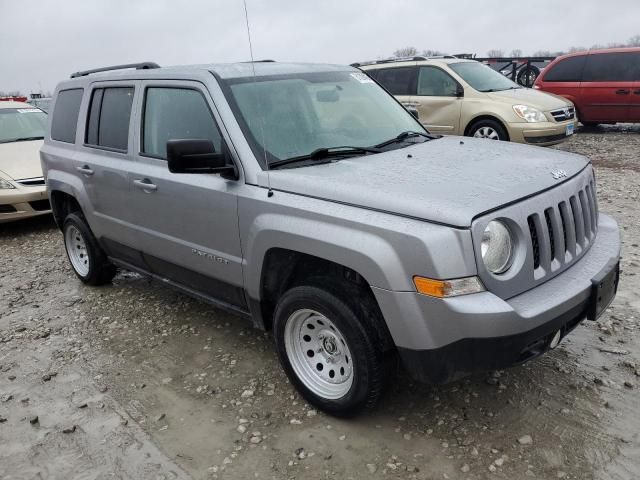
(486, 132)
(318, 354)
(76, 250)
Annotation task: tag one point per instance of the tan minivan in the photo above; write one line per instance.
(464, 97)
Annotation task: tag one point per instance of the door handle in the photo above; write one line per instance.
(146, 185)
(622, 91)
(85, 170)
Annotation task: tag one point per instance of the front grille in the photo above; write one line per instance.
(31, 182)
(40, 205)
(568, 229)
(7, 209)
(562, 114)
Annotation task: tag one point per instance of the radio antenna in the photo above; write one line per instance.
(253, 68)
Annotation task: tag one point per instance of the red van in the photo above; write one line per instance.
(604, 85)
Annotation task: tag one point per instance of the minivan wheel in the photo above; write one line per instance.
(488, 129)
(86, 257)
(328, 351)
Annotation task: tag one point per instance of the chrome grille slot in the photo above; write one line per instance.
(562, 114)
(31, 182)
(586, 215)
(592, 207)
(578, 223)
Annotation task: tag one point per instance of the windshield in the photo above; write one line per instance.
(19, 124)
(294, 115)
(482, 78)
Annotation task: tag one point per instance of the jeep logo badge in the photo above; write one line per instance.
(558, 174)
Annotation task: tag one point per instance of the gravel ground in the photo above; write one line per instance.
(136, 381)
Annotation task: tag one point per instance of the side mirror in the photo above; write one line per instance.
(459, 91)
(198, 156)
(413, 111)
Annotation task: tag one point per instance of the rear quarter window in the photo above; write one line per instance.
(65, 115)
(398, 81)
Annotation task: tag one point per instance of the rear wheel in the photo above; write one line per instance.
(527, 75)
(330, 350)
(87, 259)
(489, 129)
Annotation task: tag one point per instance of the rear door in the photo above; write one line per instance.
(437, 100)
(607, 85)
(399, 81)
(187, 224)
(103, 163)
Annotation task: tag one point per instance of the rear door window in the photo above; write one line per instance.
(399, 81)
(176, 114)
(567, 70)
(65, 115)
(610, 67)
(109, 117)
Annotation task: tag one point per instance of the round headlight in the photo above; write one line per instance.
(497, 247)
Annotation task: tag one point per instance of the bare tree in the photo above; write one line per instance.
(634, 41)
(496, 52)
(516, 52)
(432, 53)
(406, 52)
(542, 53)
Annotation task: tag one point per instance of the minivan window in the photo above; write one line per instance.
(65, 115)
(567, 70)
(22, 124)
(436, 83)
(176, 113)
(610, 67)
(483, 78)
(109, 116)
(399, 81)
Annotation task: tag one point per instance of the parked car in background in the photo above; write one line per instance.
(464, 97)
(306, 198)
(22, 188)
(43, 103)
(604, 85)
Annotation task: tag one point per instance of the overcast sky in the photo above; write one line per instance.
(43, 41)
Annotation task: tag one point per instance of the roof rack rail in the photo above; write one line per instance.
(137, 66)
(266, 60)
(416, 58)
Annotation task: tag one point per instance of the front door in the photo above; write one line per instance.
(437, 101)
(187, 223)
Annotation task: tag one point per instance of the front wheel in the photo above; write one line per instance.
(489, 129)
(329, 350)
(86, 257)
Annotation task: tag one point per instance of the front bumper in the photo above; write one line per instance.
(23, 202)
(440, 340)
(543, 133)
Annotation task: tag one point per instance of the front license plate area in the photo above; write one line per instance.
(570, 129)
(603, 291)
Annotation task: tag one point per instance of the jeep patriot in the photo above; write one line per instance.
(306, 198)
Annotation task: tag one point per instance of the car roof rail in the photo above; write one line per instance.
(266, 60)
(415, 58)
(137, 66)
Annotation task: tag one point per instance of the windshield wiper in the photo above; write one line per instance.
(324, 153)
(403, 136)
(22, 139)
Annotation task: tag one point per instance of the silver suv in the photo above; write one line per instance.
(306, 198)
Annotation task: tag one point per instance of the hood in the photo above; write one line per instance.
(528, 96)
(21, 159)
(450, 180)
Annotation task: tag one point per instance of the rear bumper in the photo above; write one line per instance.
(440, 340)
(543, 134)
(23, 202)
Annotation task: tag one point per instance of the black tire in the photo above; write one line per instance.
(527, 76)
(491, 124)
(363, 336)
(589, 124)
(100, 270)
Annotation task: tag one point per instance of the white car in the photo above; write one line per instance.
(22, 187)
